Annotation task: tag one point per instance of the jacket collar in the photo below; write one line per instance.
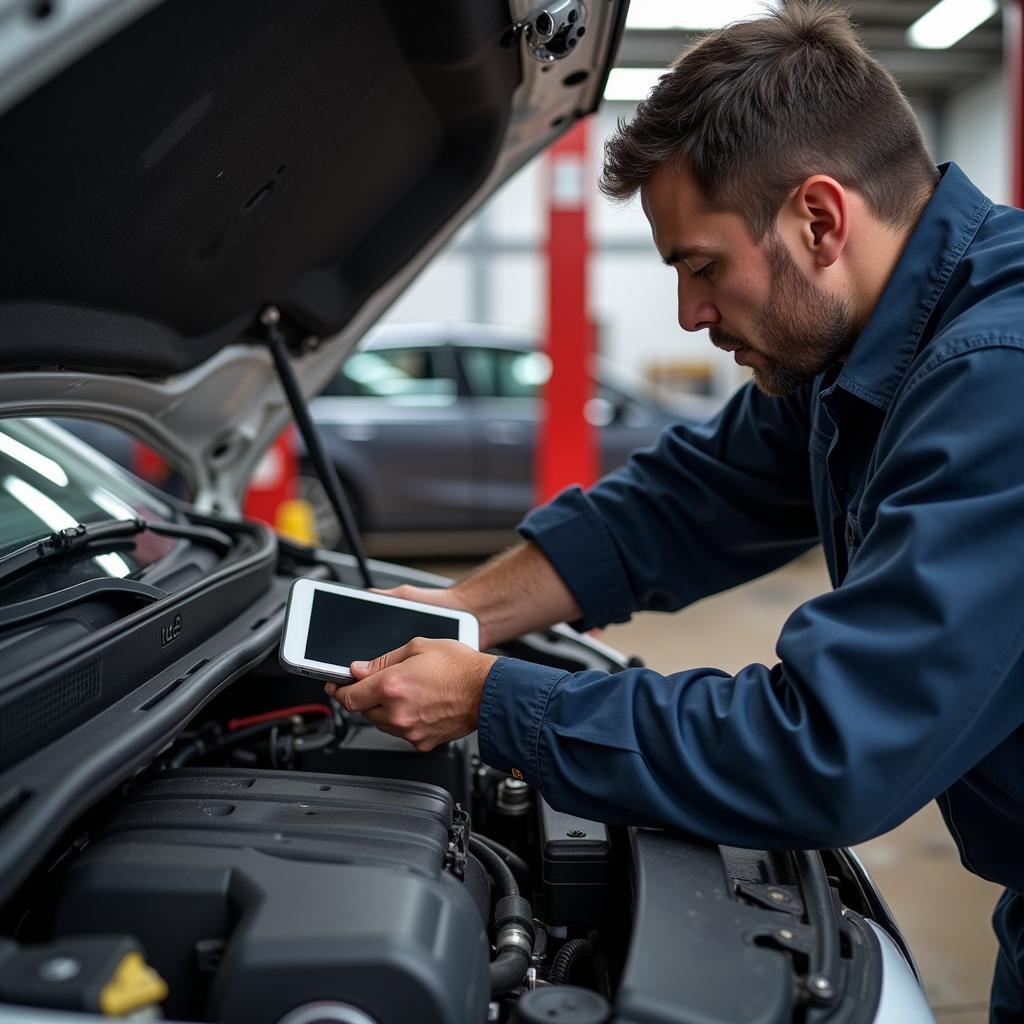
(894, 332)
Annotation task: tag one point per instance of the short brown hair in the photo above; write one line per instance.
(754, 109)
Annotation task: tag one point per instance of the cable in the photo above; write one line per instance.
(566, 958)
(270, 716)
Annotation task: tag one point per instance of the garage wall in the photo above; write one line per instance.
(977, 135)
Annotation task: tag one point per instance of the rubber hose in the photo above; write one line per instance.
(223, 741)
(508, 969)
(186, 753)
(496, 867)
(519, 866)
(565, 959)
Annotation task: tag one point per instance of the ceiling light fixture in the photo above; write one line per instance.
(948, 22)
(695, 15)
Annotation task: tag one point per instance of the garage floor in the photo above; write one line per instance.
(943, 910)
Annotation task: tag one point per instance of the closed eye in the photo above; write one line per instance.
(704, 272)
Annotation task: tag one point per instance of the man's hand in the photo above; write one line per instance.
(427, 692)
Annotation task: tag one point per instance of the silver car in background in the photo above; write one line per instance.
(433, 431)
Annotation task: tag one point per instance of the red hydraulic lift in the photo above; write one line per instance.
(567, 450)
(272, 495)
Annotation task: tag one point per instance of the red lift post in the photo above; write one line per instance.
(273, 480)
(567, 449)
(272, 495)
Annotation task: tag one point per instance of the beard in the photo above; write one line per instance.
(803, 330)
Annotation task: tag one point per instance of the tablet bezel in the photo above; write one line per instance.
(300, 606)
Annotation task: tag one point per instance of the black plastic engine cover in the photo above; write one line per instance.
(256, 892)
(691, 957)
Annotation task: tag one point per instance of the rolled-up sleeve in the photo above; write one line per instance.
(706, 508)
(887, 689)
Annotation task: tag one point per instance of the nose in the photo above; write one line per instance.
(696, 312)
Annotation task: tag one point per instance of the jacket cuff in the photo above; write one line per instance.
(512, 709)
(578, 545)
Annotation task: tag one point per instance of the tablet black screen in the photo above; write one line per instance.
(344, 629)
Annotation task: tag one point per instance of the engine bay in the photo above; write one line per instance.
(260, 873)
(281, 861)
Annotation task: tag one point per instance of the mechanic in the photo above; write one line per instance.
(879, 303)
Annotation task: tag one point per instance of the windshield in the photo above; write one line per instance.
(50, 480)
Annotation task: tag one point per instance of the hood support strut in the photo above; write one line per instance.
(270, 319)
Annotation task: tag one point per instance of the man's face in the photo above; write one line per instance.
(751, 297)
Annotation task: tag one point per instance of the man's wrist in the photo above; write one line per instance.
(512, 710)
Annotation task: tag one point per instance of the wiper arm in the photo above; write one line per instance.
(72, 539)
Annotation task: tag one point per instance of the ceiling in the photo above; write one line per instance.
(923, 74)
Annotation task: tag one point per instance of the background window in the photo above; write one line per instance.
(407, 373)
(500, 373)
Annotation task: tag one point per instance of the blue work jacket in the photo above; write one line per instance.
(903, 683)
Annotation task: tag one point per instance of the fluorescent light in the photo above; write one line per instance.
(56, 518)
(631, 83)
(948, 22)
(695, 15)
(31, 458)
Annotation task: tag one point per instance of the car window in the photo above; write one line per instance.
(50, 480)
(505, 373)
(401, 374)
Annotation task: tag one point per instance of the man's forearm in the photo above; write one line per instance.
(515, 592)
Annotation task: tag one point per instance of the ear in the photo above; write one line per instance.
(819, 211)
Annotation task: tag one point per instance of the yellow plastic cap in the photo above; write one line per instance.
(133, 985)
(296, 521)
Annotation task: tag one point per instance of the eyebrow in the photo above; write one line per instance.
(685, 253)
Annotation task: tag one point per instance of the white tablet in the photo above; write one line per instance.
(328, 626)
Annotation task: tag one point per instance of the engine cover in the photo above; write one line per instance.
(257, 892)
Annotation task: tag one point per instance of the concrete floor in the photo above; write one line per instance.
(943, 910)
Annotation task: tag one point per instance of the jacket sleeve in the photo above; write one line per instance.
(705, 509)
(887, 689)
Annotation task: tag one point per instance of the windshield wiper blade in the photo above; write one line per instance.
(73, 539)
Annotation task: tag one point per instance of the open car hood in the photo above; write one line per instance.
(171, 169)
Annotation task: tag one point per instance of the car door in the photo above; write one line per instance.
(505, 384)
(626, 422)
(394, 422)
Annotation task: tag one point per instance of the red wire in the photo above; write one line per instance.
(270, 716)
